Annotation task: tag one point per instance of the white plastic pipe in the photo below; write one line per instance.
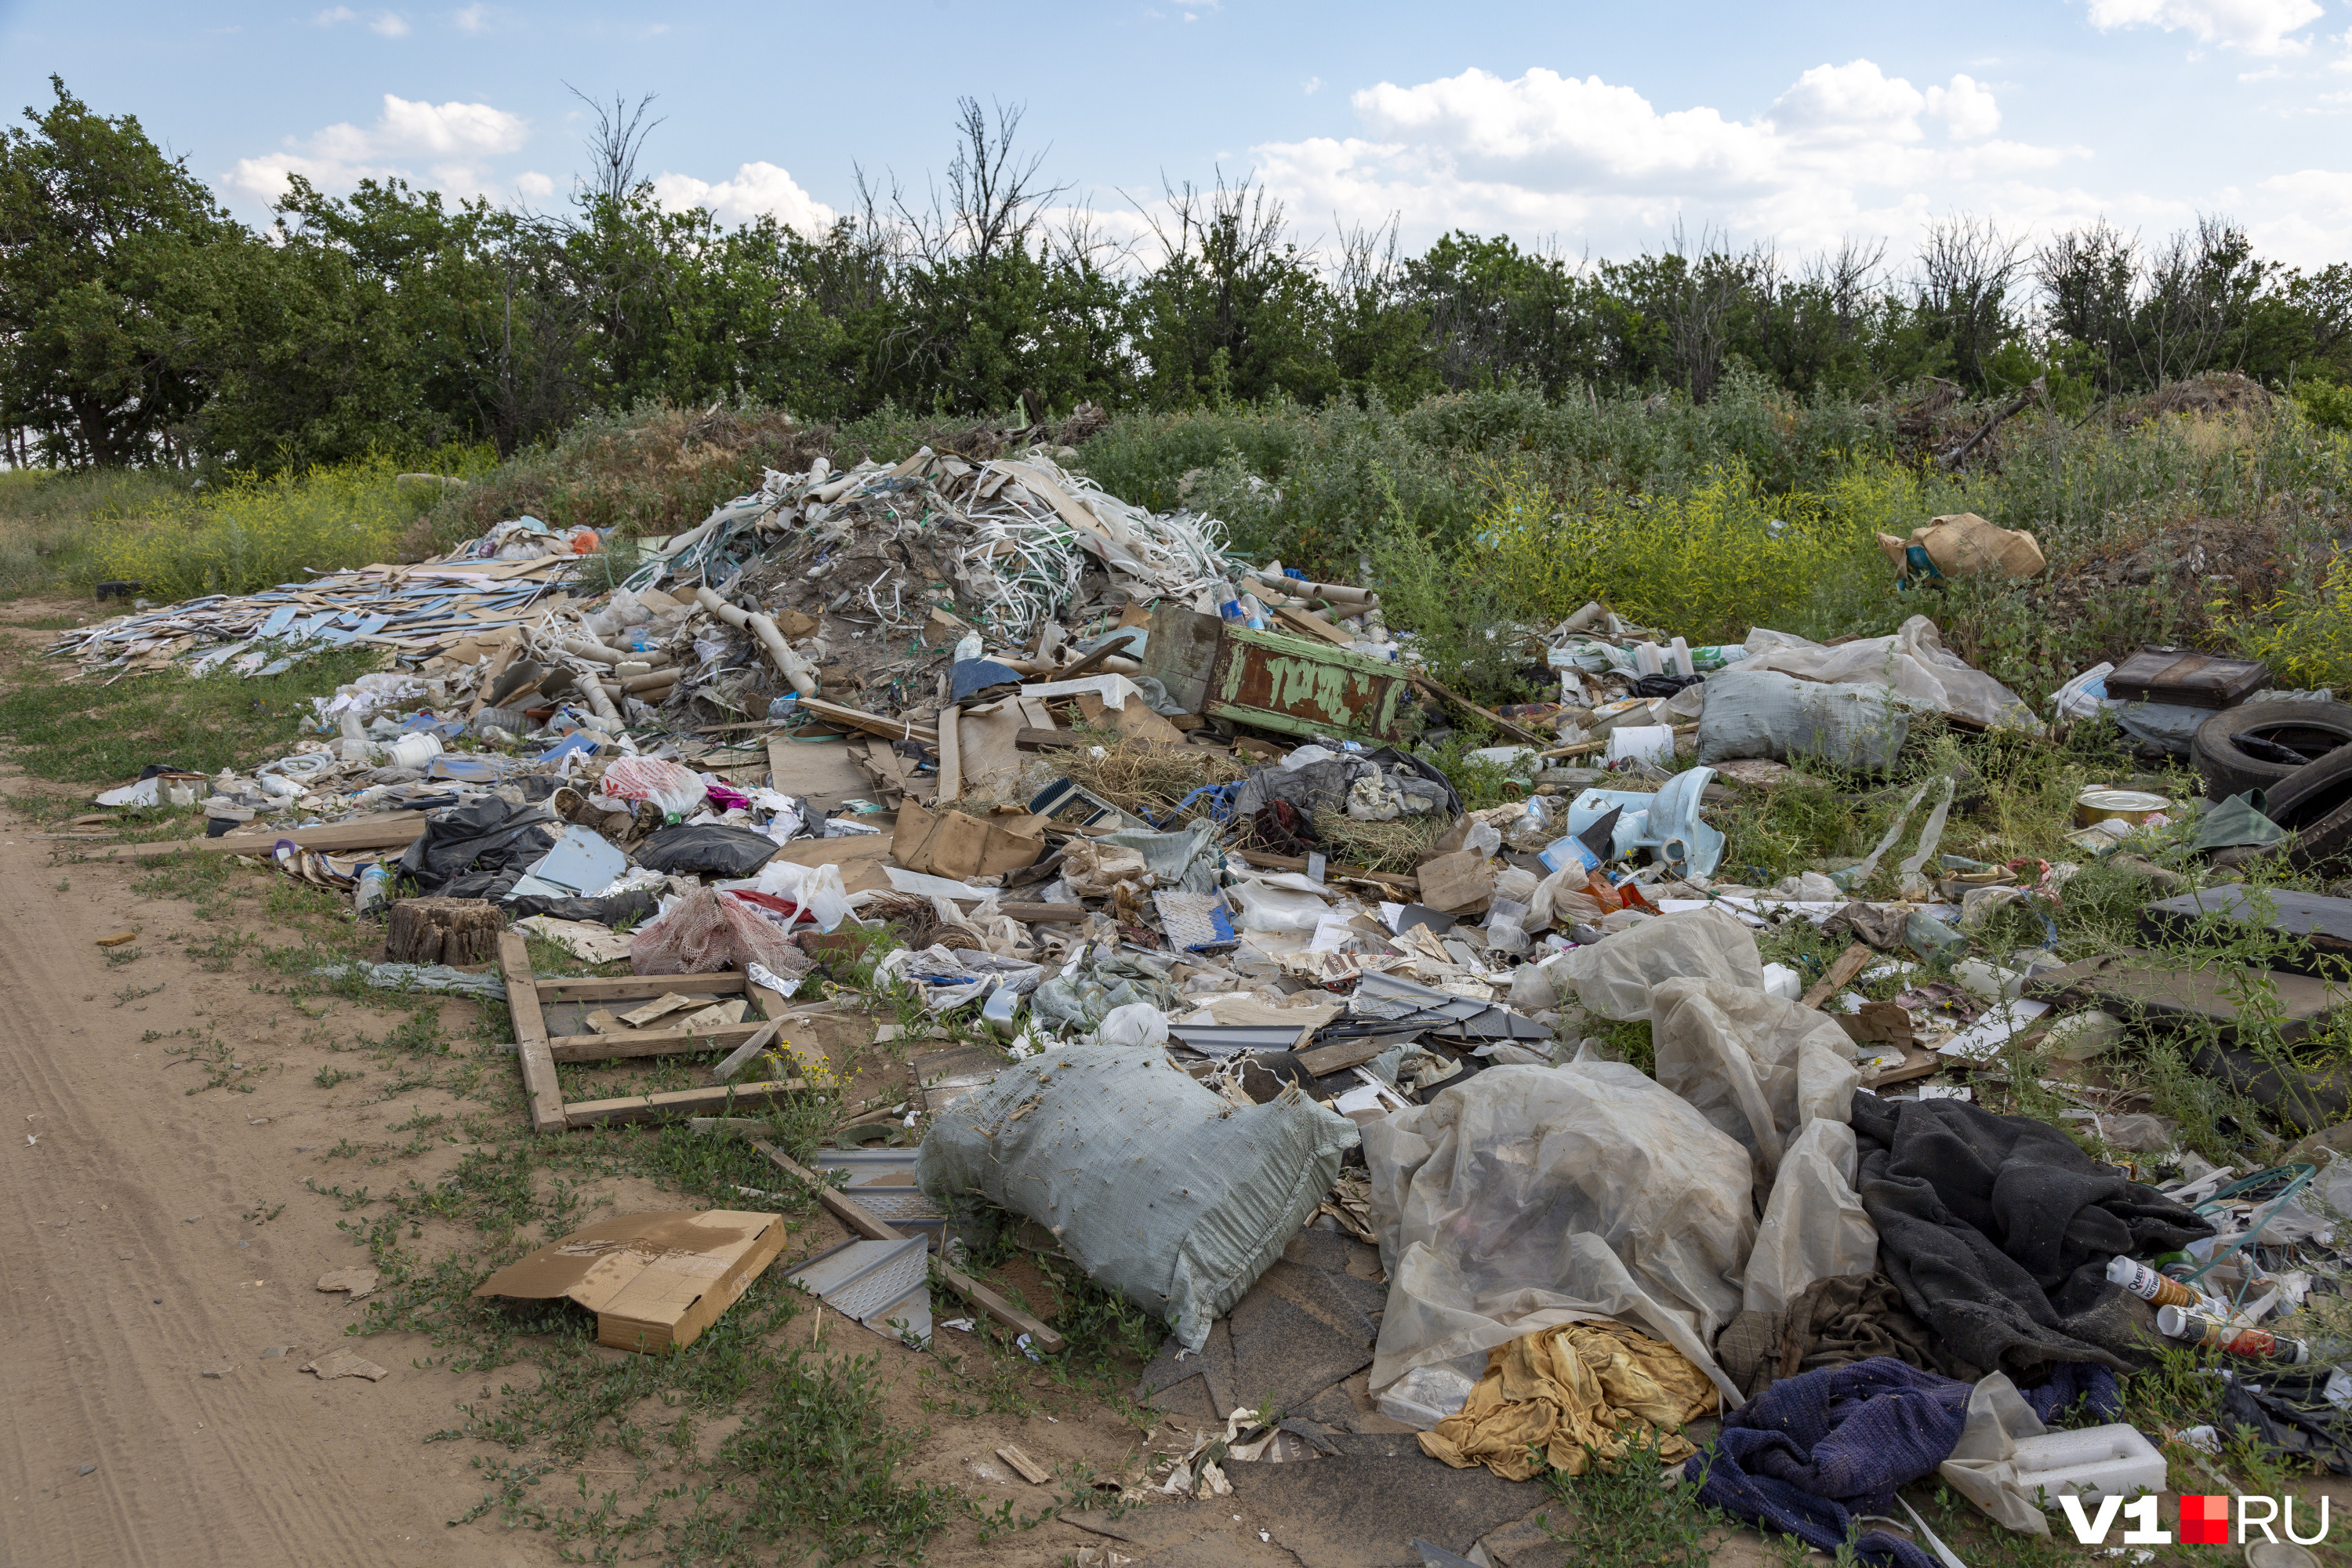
(796, 669)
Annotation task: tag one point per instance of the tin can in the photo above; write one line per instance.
(2132, 805)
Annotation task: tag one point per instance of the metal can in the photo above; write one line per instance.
(2148, 1285)
(2132, 805)
(2255, 1344)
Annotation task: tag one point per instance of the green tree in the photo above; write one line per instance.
(107, 286)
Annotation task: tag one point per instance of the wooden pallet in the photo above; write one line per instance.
(526, 999)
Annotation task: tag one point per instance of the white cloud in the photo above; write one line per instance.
(333, 15)
(758, 189)
(533, 185)
(1967, 109)
(1311, 86)
(459, 136)
(1847, 149)
(2257, 27)
(390, 25)
(1844, 148)
(473, 20)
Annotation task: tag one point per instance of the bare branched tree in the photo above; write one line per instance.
(2089, 277)
(1697, 304)
(1846, 277)
(614, 144)
(2197, 290)
(1966, 267)
(992, 201)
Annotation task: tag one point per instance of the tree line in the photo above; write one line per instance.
(141, 323)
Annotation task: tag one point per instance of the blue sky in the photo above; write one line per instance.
(1597, 128)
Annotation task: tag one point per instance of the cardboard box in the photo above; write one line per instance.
(1458, 883)
(655, 1280)
(959, 847)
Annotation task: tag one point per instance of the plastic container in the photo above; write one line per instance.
(413, 751)
(2148, 1285)
(2255, 1344)
(2091, 1462)
(373, 892)
(786, 709)
(1425, 1396)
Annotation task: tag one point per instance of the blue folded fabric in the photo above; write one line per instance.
(1810, 1452)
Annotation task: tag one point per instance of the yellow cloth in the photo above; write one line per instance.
(1570, 1395)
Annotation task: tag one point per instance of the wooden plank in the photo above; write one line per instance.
(741, 1056)
(1524, 736)
(872, 723)
(384, 832)
(1586, 748)
(650, 1043)
(624, 987)
(540, 1087)
(1033, 914)
(1311, 623)
(1294, 863)
(951, 731)
(855, 1216)
(1029, 740)
(1341, 1055)
(712, 1101)
(1850, 963)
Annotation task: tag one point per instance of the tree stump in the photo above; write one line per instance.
(444, 930)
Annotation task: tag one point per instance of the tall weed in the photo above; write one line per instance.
(254, 533)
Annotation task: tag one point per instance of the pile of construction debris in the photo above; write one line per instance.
(1153, 817)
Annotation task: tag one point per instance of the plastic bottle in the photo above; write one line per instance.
(2255, 1344)
(2148, 1285)
(1229, 604)
(373, 892)
(786, 709)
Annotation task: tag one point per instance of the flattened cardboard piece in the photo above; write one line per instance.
(655, 1280)
(1132, 720)
(987, 752)
(1455, 884)
(861, 857)
(957, 846)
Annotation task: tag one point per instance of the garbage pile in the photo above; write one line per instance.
(1264, 994)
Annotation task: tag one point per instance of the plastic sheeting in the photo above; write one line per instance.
(817, 890)
(1914, 663)
(1159, 1188)
(1766, 713)
(1531, 1196)
(676, 790)
(1814, 1226)
(1756, 1065)
(1613, 976)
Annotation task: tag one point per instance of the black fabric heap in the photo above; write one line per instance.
(1998, 1230)
(478, 850)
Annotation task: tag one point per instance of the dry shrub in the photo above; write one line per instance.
(1398, 846)
(1140, 776)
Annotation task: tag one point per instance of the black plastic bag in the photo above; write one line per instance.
(474, 842)
(709, 846)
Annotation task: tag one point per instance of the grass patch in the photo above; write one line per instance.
(84, 732)
(47, 522)
(255, 533)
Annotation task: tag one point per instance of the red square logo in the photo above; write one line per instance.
(2204, 1521)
